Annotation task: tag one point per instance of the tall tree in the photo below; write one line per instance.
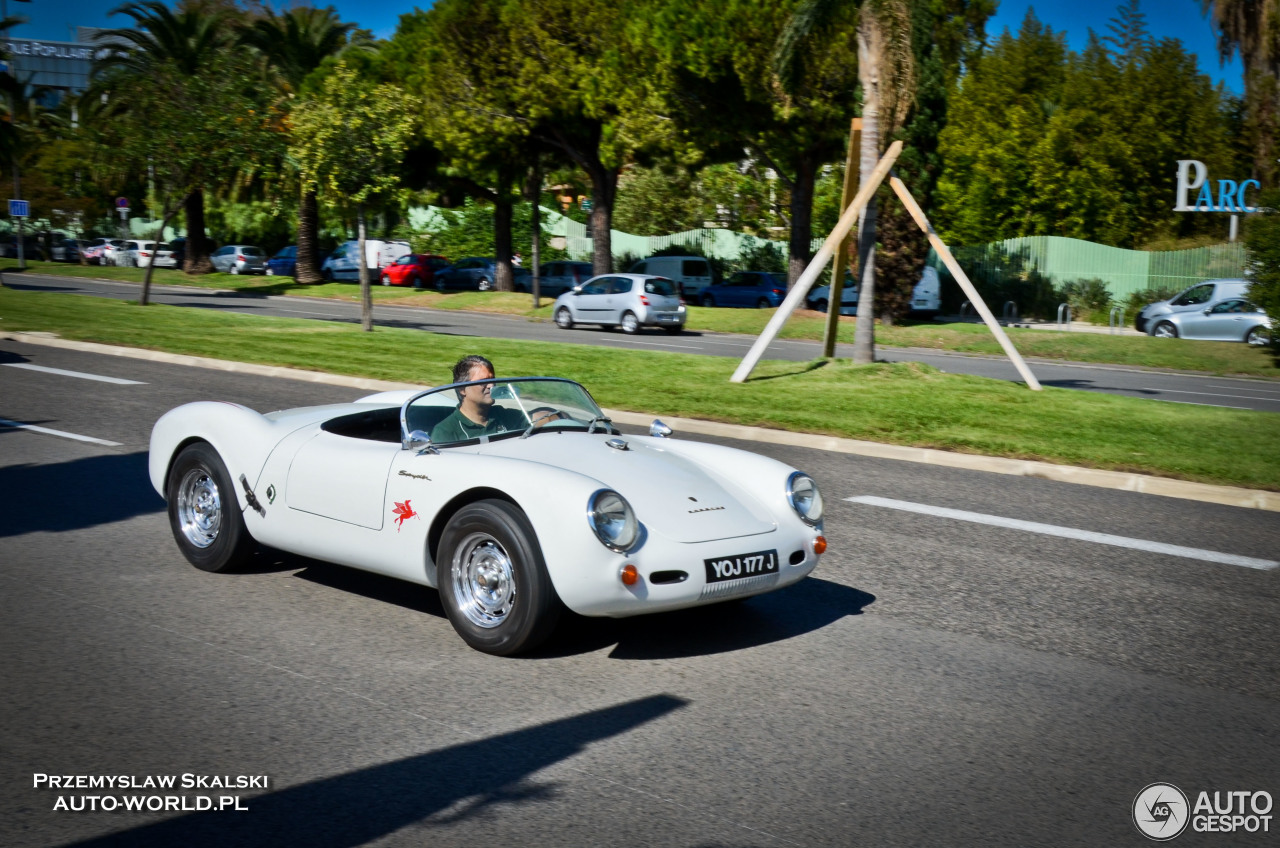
(185, 42)
(1252, 28)
(348, 142)
(294, 44)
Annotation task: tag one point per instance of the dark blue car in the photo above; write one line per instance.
(284, 263)
(749, 289)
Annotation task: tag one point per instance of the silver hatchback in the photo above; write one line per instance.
(240, 259)
(626, 301)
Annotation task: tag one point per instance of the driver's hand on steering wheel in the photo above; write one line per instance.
(544, 415)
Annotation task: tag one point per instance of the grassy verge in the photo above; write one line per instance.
(907, 404)
(1179, 354)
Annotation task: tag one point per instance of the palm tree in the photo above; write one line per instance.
(294, 44)
(886, 71)
(185, 41)
(1252, 27)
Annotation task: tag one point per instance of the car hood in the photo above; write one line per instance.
(672, 495)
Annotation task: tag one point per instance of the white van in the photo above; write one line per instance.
(341, 264)
(691, 274)
(926, 297)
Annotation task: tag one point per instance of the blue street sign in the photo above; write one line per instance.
(19, 209)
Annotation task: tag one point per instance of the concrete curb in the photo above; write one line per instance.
(1144, 483)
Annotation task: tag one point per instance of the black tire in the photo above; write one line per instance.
(493, 581)
(564, 318)
(763, 303)
(708, 300)
(821, 305)
(1165, 330)
(204, 511)
(328, 275)
(630, 323)
(485, 284)
(1259, 336)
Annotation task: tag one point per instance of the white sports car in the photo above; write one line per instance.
(551, 507)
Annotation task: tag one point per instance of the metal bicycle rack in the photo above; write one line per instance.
(1010, 311)
(1115, 321)
(1064, 315)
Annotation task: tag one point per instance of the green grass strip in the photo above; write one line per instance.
(1179, 354)
(904, 403)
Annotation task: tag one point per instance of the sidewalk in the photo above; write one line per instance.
(1143, 483)
(1033, 324)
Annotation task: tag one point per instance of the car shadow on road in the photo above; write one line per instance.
(377, 587)
(810, 605)
(75, 494)
(473, 782)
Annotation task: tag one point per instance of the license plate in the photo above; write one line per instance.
(668, 319)
(741, 565)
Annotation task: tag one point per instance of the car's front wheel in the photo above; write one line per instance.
(269, 272)
(485, 284)
(386, 281)
(204, 513)
(493, 581)
(630, 323)
(1165, 330)
(1258, 336)
(820, 305)
(564, 318)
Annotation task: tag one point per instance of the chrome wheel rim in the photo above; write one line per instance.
(629, 323)
(563, 319)
(199, 508)
(1257, 337)
(483, 577)
(1164, 331)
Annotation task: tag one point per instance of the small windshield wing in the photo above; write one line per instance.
(485, 410)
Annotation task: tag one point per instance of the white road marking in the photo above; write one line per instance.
(1193, 403)
(1067, 532)
(1246, 389)
(653, 344)
(83, 376)
(4, 422)
(1204, 394)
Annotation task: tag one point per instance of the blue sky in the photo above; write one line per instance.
(55, 20)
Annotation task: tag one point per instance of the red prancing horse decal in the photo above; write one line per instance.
(403, 511)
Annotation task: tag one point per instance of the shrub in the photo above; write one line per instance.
(1262, 243)
(1090, 300)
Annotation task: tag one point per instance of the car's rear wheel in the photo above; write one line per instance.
(1165, 330)
(763, 303)
(821, 305)
(204, 513)
(708, 300)
(630, 323)
(564, 318)
(485, 284)
(493, 581)
(1258, 336)
(234, 270)
(269, 272)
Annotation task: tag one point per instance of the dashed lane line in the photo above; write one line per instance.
(1067, 532)
(26, 366)
(18, 425)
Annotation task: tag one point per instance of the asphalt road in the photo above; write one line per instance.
(1157, 385)
(936, 681)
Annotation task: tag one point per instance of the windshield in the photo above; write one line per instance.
(523, 406)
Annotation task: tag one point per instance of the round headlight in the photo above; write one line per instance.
(804, 497)
(612, 520)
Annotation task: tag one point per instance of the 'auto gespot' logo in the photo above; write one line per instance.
(1161, 811)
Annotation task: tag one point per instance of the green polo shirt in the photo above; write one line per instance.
(458, 427)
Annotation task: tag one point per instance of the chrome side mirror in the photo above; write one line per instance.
(659, 430)
(418, 441)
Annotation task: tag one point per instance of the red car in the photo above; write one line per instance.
(413, 269)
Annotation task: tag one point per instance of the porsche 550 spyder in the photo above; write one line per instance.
(549, 507)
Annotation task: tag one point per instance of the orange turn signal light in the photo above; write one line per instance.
(820, 544)
(630, 575)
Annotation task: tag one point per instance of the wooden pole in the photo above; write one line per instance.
(796, 296)
(963, 279)
(835, 295)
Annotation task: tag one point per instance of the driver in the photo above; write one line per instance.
(476, 414)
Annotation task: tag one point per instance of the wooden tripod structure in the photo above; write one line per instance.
(829, 247)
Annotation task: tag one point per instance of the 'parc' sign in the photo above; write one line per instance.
(1230, 197)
